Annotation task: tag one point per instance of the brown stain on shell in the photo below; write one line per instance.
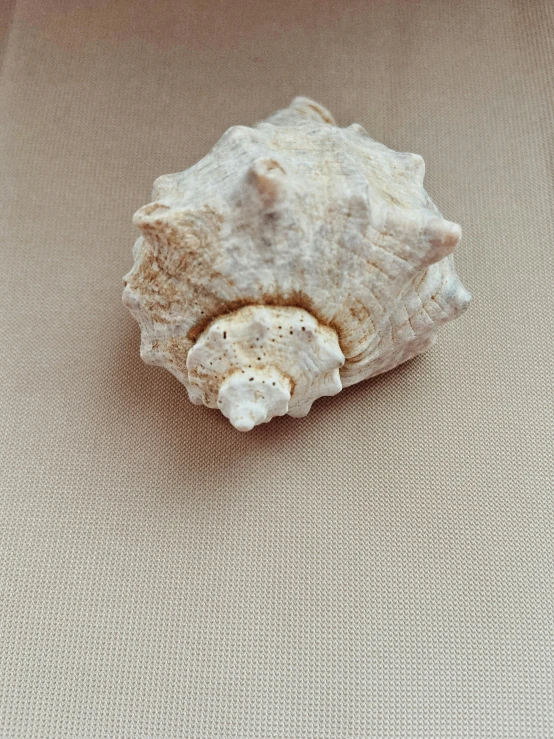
(178, 256)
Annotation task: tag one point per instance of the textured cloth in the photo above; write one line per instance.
(381, 568)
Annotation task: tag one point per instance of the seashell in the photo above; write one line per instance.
(295, 259)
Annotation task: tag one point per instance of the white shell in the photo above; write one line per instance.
(295, 259)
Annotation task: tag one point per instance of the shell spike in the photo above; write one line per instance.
(301, 110)
(151, 215)
(152, 220)
(442, 236)
(266, 175)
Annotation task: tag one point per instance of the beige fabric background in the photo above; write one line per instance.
(383, 568)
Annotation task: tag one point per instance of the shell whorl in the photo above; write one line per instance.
(294, 214)
(263, 361)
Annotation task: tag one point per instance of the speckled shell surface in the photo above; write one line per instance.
(294, 218)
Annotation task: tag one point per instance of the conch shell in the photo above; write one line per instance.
(295, 259)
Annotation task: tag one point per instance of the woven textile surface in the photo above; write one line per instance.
(383, 567)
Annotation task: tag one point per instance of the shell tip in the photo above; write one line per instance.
(248, 401)
(242, 423)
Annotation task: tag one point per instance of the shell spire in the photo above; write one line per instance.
(296, 258)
